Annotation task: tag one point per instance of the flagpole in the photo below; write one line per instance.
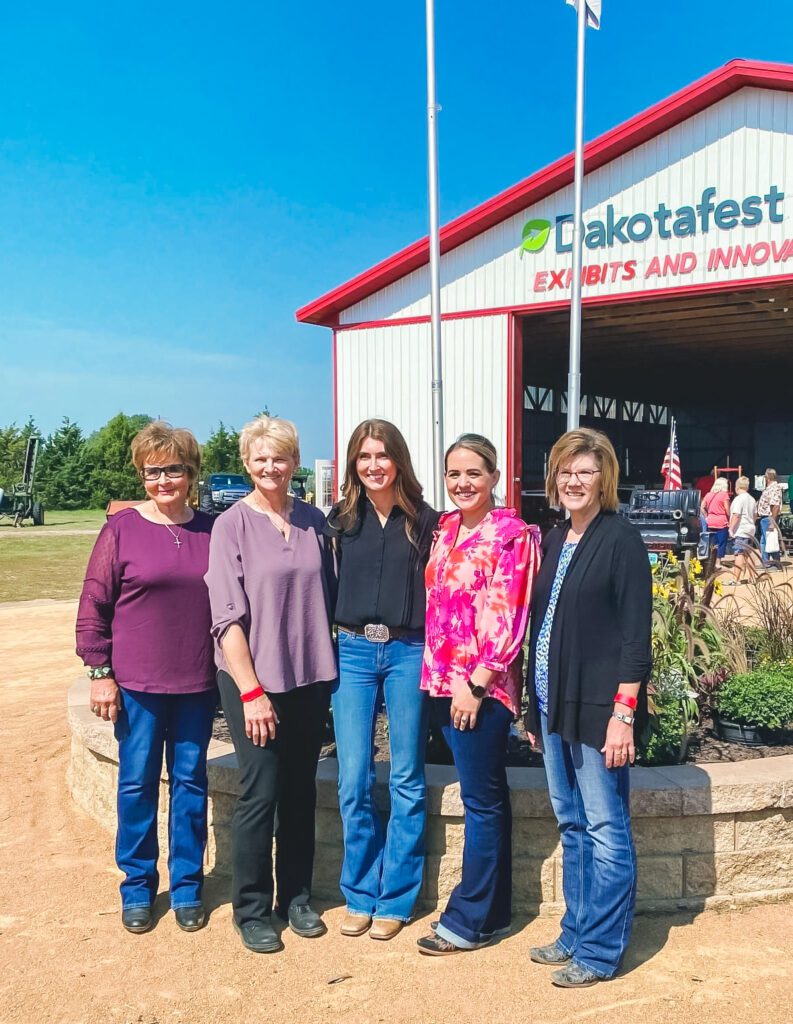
(435, 262)
(574, 368)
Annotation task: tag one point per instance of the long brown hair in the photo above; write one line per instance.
(407, 489)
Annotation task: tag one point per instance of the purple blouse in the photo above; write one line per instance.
(144, 607)
(279, 591)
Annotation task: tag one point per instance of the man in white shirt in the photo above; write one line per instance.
(743, 513)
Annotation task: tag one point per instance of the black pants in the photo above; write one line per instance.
(276, 781)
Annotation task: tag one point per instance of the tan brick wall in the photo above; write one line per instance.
(714, 835)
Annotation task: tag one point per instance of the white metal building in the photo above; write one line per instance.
(688, 296)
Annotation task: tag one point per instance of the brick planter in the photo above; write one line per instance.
(714, 835)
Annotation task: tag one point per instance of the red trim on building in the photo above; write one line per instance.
(514, 455)
(708, 287)
(735, 75)
(335, 476)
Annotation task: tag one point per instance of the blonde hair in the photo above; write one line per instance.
(282, 435)
(742, 483)
(159, 440)
(720, 484)
(585, 441)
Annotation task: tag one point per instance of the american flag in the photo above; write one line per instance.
(670, 467)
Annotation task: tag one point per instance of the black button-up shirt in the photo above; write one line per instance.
(381, 574)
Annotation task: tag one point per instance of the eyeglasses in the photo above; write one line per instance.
(584, 476)
(173, 472)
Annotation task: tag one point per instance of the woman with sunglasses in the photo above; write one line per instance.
(589, 661)
(143, 633)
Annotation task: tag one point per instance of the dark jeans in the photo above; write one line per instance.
(592, 806)
(481, 905)
(180, 724)
(277, 781)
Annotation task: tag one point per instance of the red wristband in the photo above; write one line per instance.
(628, 701)
(257, 691)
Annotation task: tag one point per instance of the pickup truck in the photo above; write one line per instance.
(220, 491)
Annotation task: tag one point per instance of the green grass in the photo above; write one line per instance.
(35, 563)
(80, 519)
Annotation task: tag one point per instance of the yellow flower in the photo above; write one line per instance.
(718, 589)
(671, 558)
(696, 567)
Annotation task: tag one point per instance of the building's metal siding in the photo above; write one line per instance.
(741, 145)
(386, 372)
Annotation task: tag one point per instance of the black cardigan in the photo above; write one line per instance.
(601, 628)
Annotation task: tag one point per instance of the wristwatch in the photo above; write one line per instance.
(480, 692)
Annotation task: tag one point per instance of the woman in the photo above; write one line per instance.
(143, 633)
(382, 531)
(716, 510)
(589, 663)
(743, 526)
(270, 584)
(479, 586)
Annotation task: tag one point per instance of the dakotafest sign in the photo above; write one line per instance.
(615, 230)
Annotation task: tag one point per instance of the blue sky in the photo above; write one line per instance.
(176, 179)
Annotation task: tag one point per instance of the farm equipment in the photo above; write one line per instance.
(21, 503)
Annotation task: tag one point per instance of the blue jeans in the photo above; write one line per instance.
(383, 867)
(592, 808)
(182, 725)
(481, 905)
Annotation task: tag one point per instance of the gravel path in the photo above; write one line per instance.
(64, 957)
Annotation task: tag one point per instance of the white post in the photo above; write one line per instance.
(574, 369)
(435, 264)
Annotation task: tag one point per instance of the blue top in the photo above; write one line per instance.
(544, 638)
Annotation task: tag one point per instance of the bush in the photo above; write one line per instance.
(662, 740)
(763, 699)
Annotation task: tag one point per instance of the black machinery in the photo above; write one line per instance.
(21, 503)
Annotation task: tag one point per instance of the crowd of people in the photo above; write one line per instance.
(751, 527)
(387, 602)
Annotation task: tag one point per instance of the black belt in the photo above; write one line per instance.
(377, 633)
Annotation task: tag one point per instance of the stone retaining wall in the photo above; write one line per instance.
(713, 835)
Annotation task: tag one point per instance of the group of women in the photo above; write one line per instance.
(430, 614)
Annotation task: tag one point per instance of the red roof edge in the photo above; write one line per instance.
(703, 93)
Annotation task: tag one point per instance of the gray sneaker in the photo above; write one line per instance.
(552, 955)
(575, 976)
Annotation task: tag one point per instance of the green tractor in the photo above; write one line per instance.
(21, 503)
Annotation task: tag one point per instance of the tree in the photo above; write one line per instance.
(61, 478)
(109, 470)
(221, 452)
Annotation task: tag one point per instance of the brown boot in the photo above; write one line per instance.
(385, 928)
(355, 924)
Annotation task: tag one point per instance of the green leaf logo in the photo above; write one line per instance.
(535, 235)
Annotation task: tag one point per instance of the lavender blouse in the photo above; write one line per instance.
(144, 607)
(279, 591)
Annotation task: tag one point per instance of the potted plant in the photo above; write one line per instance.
(754, 707)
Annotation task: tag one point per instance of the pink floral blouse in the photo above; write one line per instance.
(478, 598)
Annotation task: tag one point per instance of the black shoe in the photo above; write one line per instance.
(190, 919)
(259, 936)
(305, 922)
(434, 945)
(137, 919)
(552, 955)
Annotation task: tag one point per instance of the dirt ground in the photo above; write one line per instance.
(65, 958)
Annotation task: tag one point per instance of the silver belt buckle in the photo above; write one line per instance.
(376, 633)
